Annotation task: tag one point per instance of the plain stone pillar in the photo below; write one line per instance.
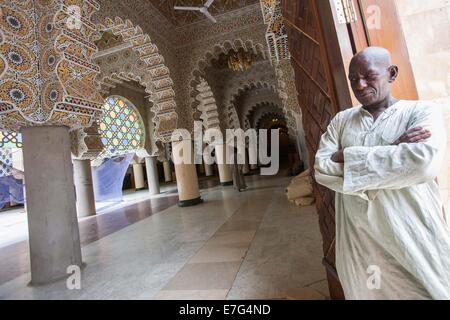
(152, 175)
(252, 150)
(138, 172)
(225, 175)
(167, 171)
(245, 167)
(52, 214)
(186, 174)
(209, 170)
(84, 188)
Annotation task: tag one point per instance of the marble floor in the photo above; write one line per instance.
(248, 245)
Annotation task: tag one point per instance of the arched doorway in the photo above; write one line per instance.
(122, 132)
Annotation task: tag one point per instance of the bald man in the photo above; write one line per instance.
(382, 158)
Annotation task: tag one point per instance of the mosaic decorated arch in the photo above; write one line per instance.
(262, 110)
(198, 74)
(139, 60)
(47, 75)
(207, 106)
(276, 36)
(248, 96)
(289, 94)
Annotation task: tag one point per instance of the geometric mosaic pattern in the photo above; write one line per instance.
(199, 73)
(10, 140)
(46, 70)
(158, 82)
(122, 129)
(276, 32)
(5, 162)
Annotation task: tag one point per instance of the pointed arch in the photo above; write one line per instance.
(149, 70)
(198, 74)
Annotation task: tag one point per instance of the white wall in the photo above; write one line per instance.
(426, 25)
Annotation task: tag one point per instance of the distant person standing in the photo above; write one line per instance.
(238, 177)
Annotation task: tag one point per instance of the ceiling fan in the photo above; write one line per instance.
(203, 10)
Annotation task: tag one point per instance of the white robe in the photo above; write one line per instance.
(389, 214)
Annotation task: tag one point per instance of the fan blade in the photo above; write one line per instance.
(209, 3)
(209, 16)
(187, 8)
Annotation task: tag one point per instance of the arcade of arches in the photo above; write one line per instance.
(91, 93)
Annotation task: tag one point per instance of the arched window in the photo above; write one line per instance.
(121, 128)
(10, 140)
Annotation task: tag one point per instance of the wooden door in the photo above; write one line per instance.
(378, 24)
(321, 48)
(317, 98)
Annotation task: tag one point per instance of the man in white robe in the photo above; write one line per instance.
(382, 159)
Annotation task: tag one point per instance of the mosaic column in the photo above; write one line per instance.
(47, 87)
(186, 174)
(84, 187)
(152, 175)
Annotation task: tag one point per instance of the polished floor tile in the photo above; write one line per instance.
(205, 276)
(189, 294)
(228, 237)
(221, 253)
(247, 245)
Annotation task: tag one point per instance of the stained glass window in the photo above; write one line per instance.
(10, 140)
(121, 128)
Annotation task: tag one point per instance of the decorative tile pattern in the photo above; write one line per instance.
(276, 31)
(5, 162)
(121, 127)
(10, 140)
(46, 70)
(141, 62)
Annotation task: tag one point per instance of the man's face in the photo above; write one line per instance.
(370, 82)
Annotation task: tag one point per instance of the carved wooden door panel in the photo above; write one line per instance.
(317, 100)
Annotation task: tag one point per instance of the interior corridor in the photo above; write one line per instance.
(248, 245)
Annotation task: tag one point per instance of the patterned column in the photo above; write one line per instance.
(47, 87)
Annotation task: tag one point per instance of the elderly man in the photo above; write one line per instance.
(382, 159)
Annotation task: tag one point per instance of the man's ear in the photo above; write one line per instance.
(393, 73)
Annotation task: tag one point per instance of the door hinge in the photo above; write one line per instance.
(345, 11)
